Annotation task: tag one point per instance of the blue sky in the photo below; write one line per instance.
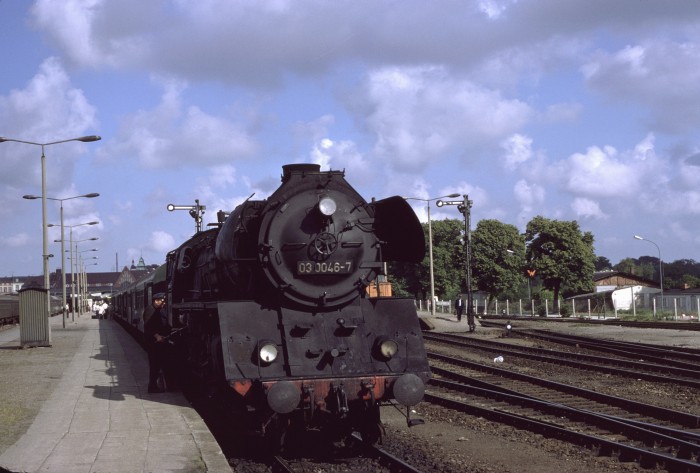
(572, 110)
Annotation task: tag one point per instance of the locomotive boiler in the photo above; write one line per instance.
(274, 314)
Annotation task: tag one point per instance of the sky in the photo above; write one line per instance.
(568, 109)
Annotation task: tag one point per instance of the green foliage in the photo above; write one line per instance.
(561, 254)
(448, 258)
(409, 279)
(643, 267)
(602, 264)
(498, 255)
(677, 275)
(541, 309)
(565, 310)
(681, 273)
(406, 279)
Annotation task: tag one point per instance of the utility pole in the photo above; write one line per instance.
(464, 206)
(465, 209)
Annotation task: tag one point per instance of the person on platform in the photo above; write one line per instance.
(104, 310)
(459, 308)
(156, 331)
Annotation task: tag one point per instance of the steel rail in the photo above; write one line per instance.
(646, 458)
(396, 464)
(592, 363)
(678, 417)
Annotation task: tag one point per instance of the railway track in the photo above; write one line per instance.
(612, 426)
(672, 325)
(605, 436)
(688, 375)
(506, 381)
(681, 357)
(374, 458)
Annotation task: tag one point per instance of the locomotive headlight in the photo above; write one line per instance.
(327, 206)
(388, 348)
(385, 348)
(267, 352)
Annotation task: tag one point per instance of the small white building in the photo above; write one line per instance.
(622, 298)
(10, 285)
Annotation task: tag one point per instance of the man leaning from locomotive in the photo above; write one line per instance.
(157, 331)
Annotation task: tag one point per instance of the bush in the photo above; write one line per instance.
(541, 310)
(565, 310)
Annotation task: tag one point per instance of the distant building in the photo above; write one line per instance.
(609, 280)
(97, 282)
(617, 290)
(10, 285)
(136, 272)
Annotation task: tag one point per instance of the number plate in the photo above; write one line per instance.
(305, 268)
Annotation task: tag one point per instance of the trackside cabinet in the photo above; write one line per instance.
(34, 329)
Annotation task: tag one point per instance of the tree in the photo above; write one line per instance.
(561, 254)
(498, 256)
(627, 265)
(448, 264)
(645, 267)
(602, 264)
(405, 279)
(679, 273)
(448, 258)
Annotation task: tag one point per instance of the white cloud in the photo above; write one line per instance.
(586, 208)
(15, 241)
(421, 113)
(530, 198)
(529, 195)
(604, 172)
(339, 155)
(494, 8)
(169, 136)
(432, 97)
(222, 176)
(49, 108)
(599, 172)
(162, 242)
(563, 112)
(659, 74)
(518, 150)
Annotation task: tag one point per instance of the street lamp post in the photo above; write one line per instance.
(85, 282)
(74, 268)
(45, 249)
(63, 251)
(82, 277)
(430, 246)
(661, 271)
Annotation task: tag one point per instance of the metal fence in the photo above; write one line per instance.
(597, 306)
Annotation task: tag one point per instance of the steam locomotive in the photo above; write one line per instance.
(273, 312)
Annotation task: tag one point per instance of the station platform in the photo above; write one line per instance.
(82, 405)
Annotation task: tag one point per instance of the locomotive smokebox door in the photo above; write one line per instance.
(317, 242)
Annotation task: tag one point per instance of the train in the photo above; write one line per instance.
(273, 315)
(9, 308)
